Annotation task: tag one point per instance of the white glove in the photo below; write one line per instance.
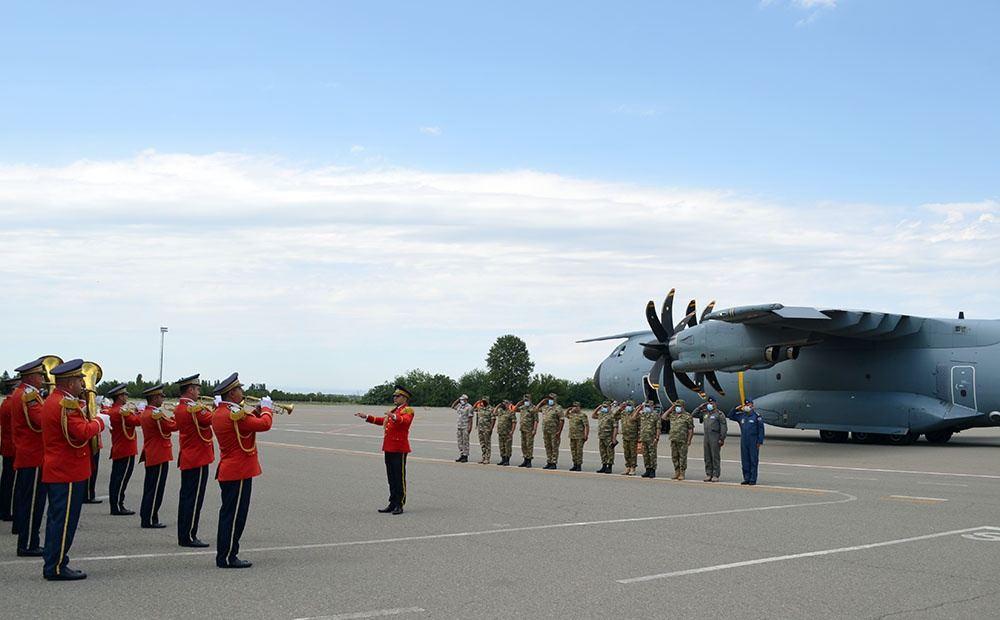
(103, 417)
(140, 406)
(266, 403)
(218, 400)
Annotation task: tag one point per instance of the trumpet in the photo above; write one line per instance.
(278, 408)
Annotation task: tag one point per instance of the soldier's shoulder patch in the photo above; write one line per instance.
(236, 413)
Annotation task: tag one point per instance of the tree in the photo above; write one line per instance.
(585, 392)
(543, 384)
(509, 368)
(474, 384)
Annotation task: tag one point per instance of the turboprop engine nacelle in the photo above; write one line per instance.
(719, 346)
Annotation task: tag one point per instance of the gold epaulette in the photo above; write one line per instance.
(195, 408)
(408, 410)
(70, 404)
(157, 415)
(30, 395)
(236, 413)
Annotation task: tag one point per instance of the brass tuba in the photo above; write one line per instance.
(92, 374)
(278, 408)
(48, 363)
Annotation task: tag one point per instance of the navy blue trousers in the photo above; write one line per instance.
(750, 456)
(7, 489)
(152, 493)
(121, 473)
(193, 483)
(232, 518)
(65, 501)
(29, 506)
(395, 473)
(95, 460)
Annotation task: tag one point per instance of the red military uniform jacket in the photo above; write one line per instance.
(397, 434)
(26, 425)
(123, 433)
(237, 435)
(6, 431)
(194, 426)
(67, 451)
(156, 428)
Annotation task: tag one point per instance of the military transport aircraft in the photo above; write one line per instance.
(871, 374)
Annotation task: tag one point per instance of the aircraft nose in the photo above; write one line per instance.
(597, 379)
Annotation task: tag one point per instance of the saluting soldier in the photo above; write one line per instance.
(607, 417)
(124, 447)
(463, 427)
(506, 416)
(236, 431)
(630, 436)
(66, 433)
(484, 424)
(529, 427)
(714, 427)
(196, 453)
(649, 435)
(395, 445)
(26, 427)
(681, 434)
(553, 420)
(579, 433)
(7, 452)
(157, 452)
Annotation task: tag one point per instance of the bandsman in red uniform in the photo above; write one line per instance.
(157, 452)
(66, 431)
(197, 452)
(236, 430)
(396, 445)
(26, 429)
(125, 420)
(7, 453)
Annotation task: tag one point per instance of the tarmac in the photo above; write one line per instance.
(831, 530)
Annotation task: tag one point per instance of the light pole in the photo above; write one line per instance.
(163, 331)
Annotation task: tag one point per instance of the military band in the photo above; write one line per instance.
(26, 426)
(7, 454)
(157, 453)
(194, 431)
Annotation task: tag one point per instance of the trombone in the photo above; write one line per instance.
(278, 408)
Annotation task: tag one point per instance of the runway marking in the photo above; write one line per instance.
(733, 461)
(378, 613)
(563, 472)
(944, 484)
(856, 478)
(845, 499)
(916, 500)
(810, 554)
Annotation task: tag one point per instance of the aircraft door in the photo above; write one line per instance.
(963, 386)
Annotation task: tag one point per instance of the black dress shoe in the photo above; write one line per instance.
(33, 552)
(6, 518)
(387, 509)
(236, 563)
(398, 510)
(67, 574)
(123, 513)
(93, 501)
(153, 526)
(462, 459)
(194, 542)
(744, 482)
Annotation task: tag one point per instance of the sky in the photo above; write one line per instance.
(322, 195)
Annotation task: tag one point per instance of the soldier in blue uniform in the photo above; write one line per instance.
(751, 439)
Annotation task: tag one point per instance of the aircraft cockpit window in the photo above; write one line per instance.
(619, 351)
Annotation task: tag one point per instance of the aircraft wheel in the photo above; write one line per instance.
(939, 437)
(904, 439)
(833, 436)
(862, 437)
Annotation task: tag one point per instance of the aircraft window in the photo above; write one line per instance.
(778, 377)
(618, 352)
(964, 393)
(868, 376)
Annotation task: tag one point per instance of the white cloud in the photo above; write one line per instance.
(339, 276)
(357, 148)
(431, 131)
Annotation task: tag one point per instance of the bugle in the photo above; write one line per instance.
(253, 401)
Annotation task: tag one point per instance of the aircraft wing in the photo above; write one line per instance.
(614, 337)
(856, 324)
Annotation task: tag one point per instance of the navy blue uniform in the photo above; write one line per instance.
(751, 437)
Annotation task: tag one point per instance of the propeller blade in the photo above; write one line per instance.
(668, 384)
(685, 322)
(708, 310)
(656, 371)
(686, 381)
(714, 382)
(667, 312)
(691, 315)
(699, 380)
(647, 390)
(654, 323)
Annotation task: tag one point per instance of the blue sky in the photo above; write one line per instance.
(856, 127)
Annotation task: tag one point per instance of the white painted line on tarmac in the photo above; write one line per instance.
(846, 498)
(917, 499)
(856, 478)
(378, 613)
(944, 484)
(797, 556)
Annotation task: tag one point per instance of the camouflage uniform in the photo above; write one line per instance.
(578, 431)
(552, 417)
(462, 430)
(607, 421)
(630, 437)
(680, 425)
(506, 419)
(649, 435)
(484, 417)
(529, 417)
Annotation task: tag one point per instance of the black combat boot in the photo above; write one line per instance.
(549, 466)
(527, 463)
(652, 473)
(646, 475)
(575, 468)
(462, 459)
(504, 462)
(524, 463)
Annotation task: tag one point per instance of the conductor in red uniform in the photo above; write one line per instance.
(66, 434)
(236, 430)
(26, 428)
(7, 452)
(124, 447)
(396, 445)
(158, 451)
(197, 452)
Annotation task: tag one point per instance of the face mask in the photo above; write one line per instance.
(527, 402)
(710, 407)
(648, 409)
(677, 409)
(551, 402)
(629, 409)
(604, 409)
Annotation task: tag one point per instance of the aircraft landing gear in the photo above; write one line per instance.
(863, 437)
(939, 437)
(905, 439)
(833, 436)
